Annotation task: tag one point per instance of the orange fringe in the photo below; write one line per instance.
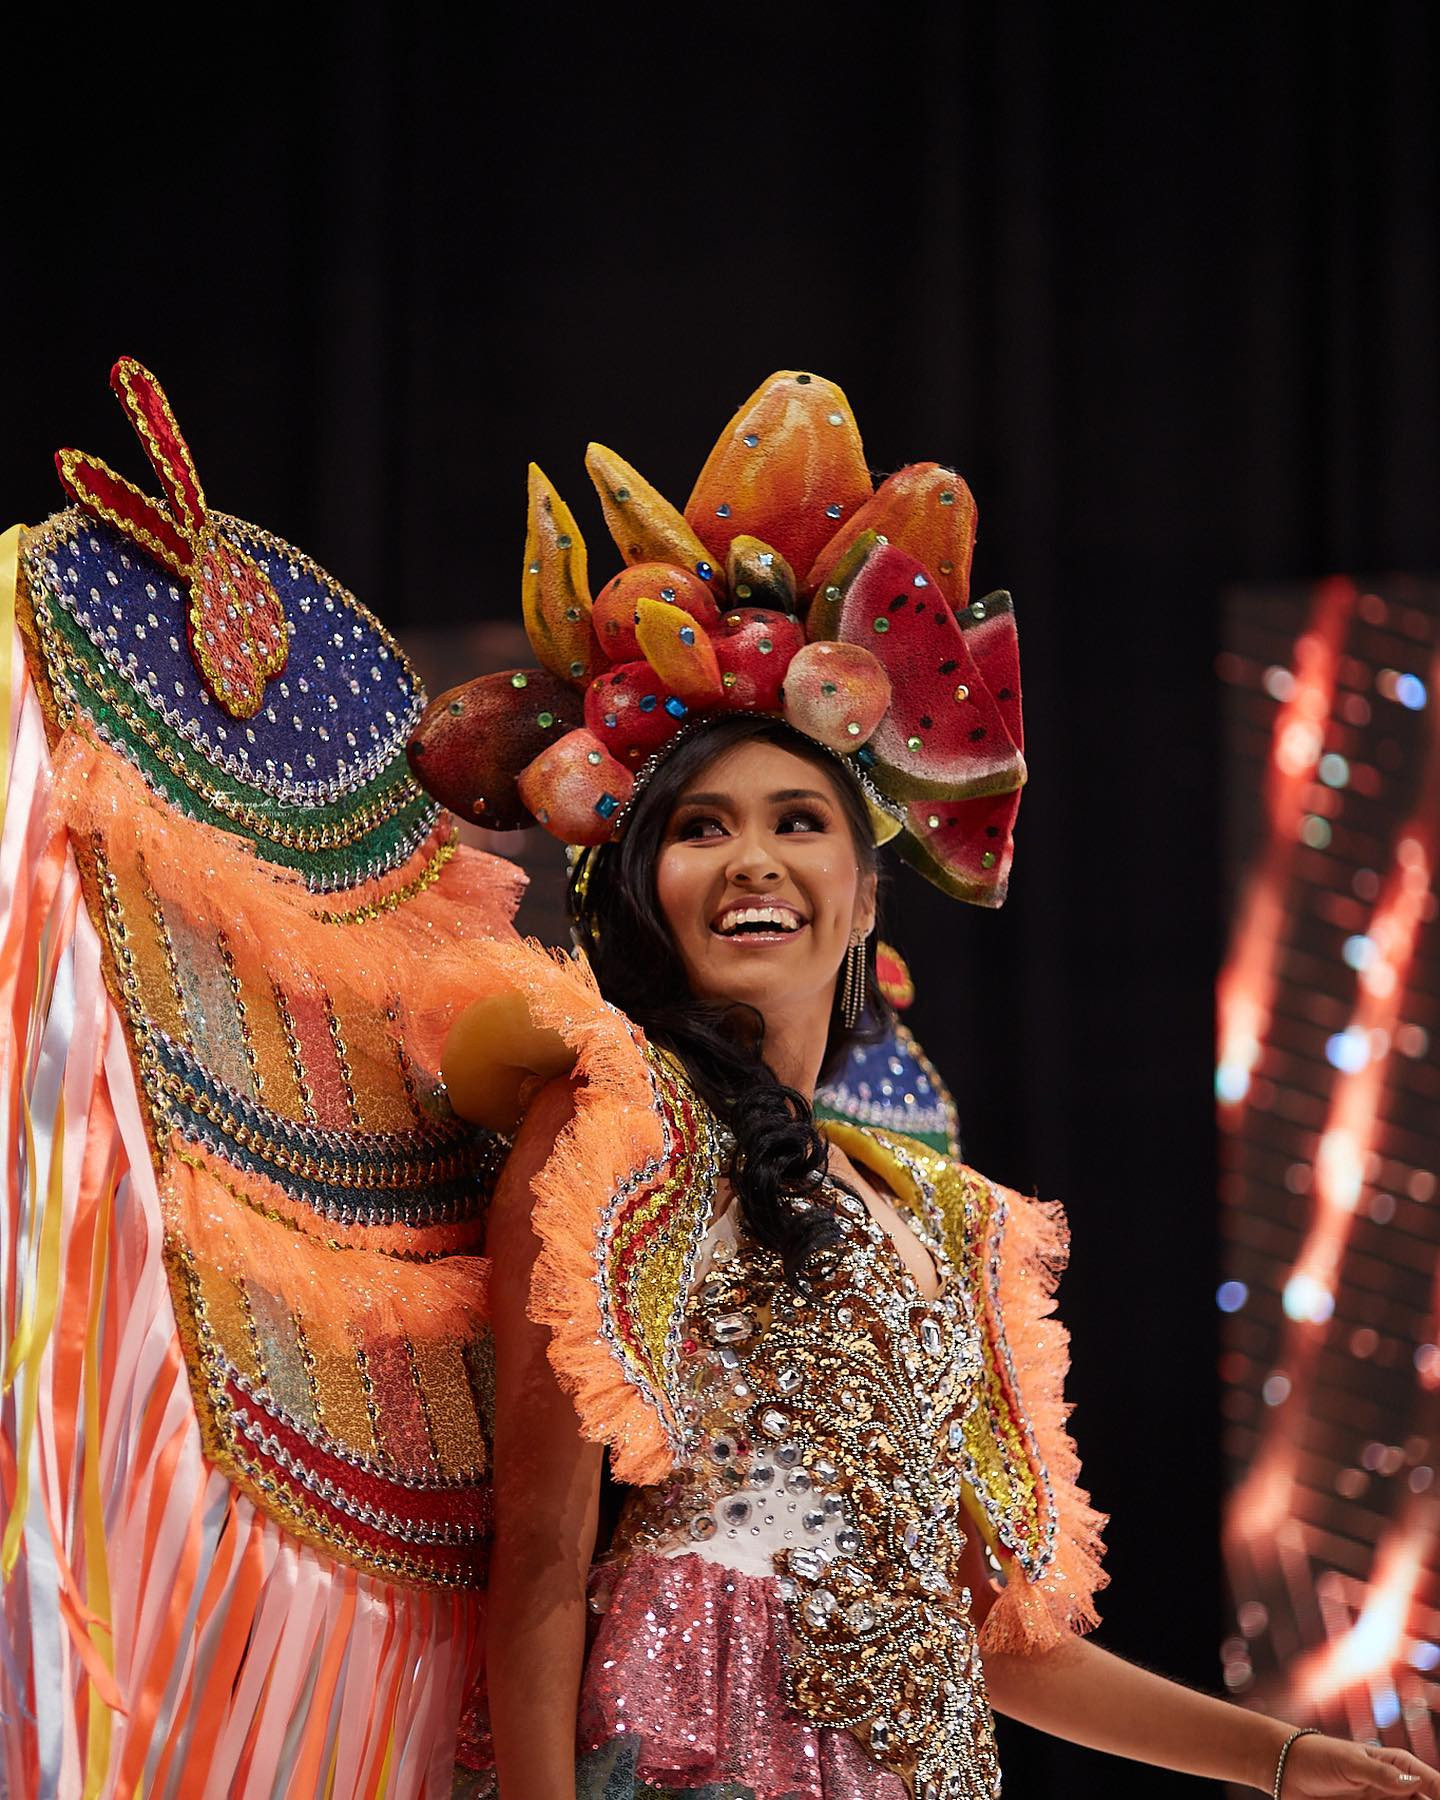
(1032, 1616)
(615, 1131)
(266, 911)
(336, 1294)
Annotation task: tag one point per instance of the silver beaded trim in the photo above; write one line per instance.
(63, 530)
(324, 1489)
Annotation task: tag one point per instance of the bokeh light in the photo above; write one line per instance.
(1329, 1104)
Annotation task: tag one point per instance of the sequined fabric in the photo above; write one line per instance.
(832, 1455)
(690, 1660)
(684, 1695)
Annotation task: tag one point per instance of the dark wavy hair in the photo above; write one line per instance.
(619, 924)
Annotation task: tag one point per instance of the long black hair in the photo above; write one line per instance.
(619, 925)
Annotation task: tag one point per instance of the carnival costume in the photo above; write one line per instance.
(782, 1610)
(243, 1431)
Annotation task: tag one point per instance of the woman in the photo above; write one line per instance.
(818, 1359)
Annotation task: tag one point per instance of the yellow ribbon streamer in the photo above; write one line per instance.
(97, 1569)
(34, 1334)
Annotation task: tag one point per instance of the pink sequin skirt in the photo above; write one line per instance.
(683, 1697)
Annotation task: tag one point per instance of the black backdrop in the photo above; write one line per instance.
(1161, 281)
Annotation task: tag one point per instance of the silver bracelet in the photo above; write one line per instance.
(1299, 1732)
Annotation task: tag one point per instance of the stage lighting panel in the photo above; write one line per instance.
(1328, 1098)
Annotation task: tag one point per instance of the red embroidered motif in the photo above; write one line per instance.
(432, 1534)
(234, 622)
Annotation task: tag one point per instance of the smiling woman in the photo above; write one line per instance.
(819, 1360)
(745, 823)
(755, 864)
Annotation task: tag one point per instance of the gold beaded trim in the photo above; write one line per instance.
(427, 878)
(276, 1217)
(175, 489)
(166, 1088)
(279, 1499)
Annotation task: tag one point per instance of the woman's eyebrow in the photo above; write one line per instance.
(776, 799)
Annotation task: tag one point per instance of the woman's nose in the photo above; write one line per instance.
(752, 862)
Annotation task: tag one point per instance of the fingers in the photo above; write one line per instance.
(1398, 1772)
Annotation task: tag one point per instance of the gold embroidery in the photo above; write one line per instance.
(1006, 1472)
(833, 1421)
(646, 1240)
(342, 1060)
(427, 878)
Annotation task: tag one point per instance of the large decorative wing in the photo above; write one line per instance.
(244, 1420)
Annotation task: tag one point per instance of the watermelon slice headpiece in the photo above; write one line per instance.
(790, 585)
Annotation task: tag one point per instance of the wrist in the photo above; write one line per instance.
(1265, 1755)
(1278, 1777)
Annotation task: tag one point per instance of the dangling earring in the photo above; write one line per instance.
(852, 993)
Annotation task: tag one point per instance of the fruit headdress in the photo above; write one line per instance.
(790, 585)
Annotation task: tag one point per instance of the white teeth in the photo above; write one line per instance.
(758, 915)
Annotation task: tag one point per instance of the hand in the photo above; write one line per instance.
(1320, 1768)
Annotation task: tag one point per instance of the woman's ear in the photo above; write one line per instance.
(863, 919)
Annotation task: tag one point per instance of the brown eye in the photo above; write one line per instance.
(802, 819)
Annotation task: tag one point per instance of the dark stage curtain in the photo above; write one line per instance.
(1161, 281)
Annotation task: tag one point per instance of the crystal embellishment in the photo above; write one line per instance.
(820, 1607)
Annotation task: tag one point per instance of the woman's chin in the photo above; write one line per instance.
(760, 982)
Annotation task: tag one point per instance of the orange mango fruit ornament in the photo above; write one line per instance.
(495, 1059)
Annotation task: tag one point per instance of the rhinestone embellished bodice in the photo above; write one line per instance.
(828, 1452)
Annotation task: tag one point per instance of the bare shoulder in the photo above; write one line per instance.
(549, 1110)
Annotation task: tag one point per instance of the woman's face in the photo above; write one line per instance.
(759, 880)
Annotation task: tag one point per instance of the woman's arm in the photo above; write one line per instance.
(547, 1483)
(1081, 1692)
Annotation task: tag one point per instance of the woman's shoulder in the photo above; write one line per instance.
(615, 1064)
(925, 1177)
(617, 1161)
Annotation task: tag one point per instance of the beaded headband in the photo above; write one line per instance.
(790, 586)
